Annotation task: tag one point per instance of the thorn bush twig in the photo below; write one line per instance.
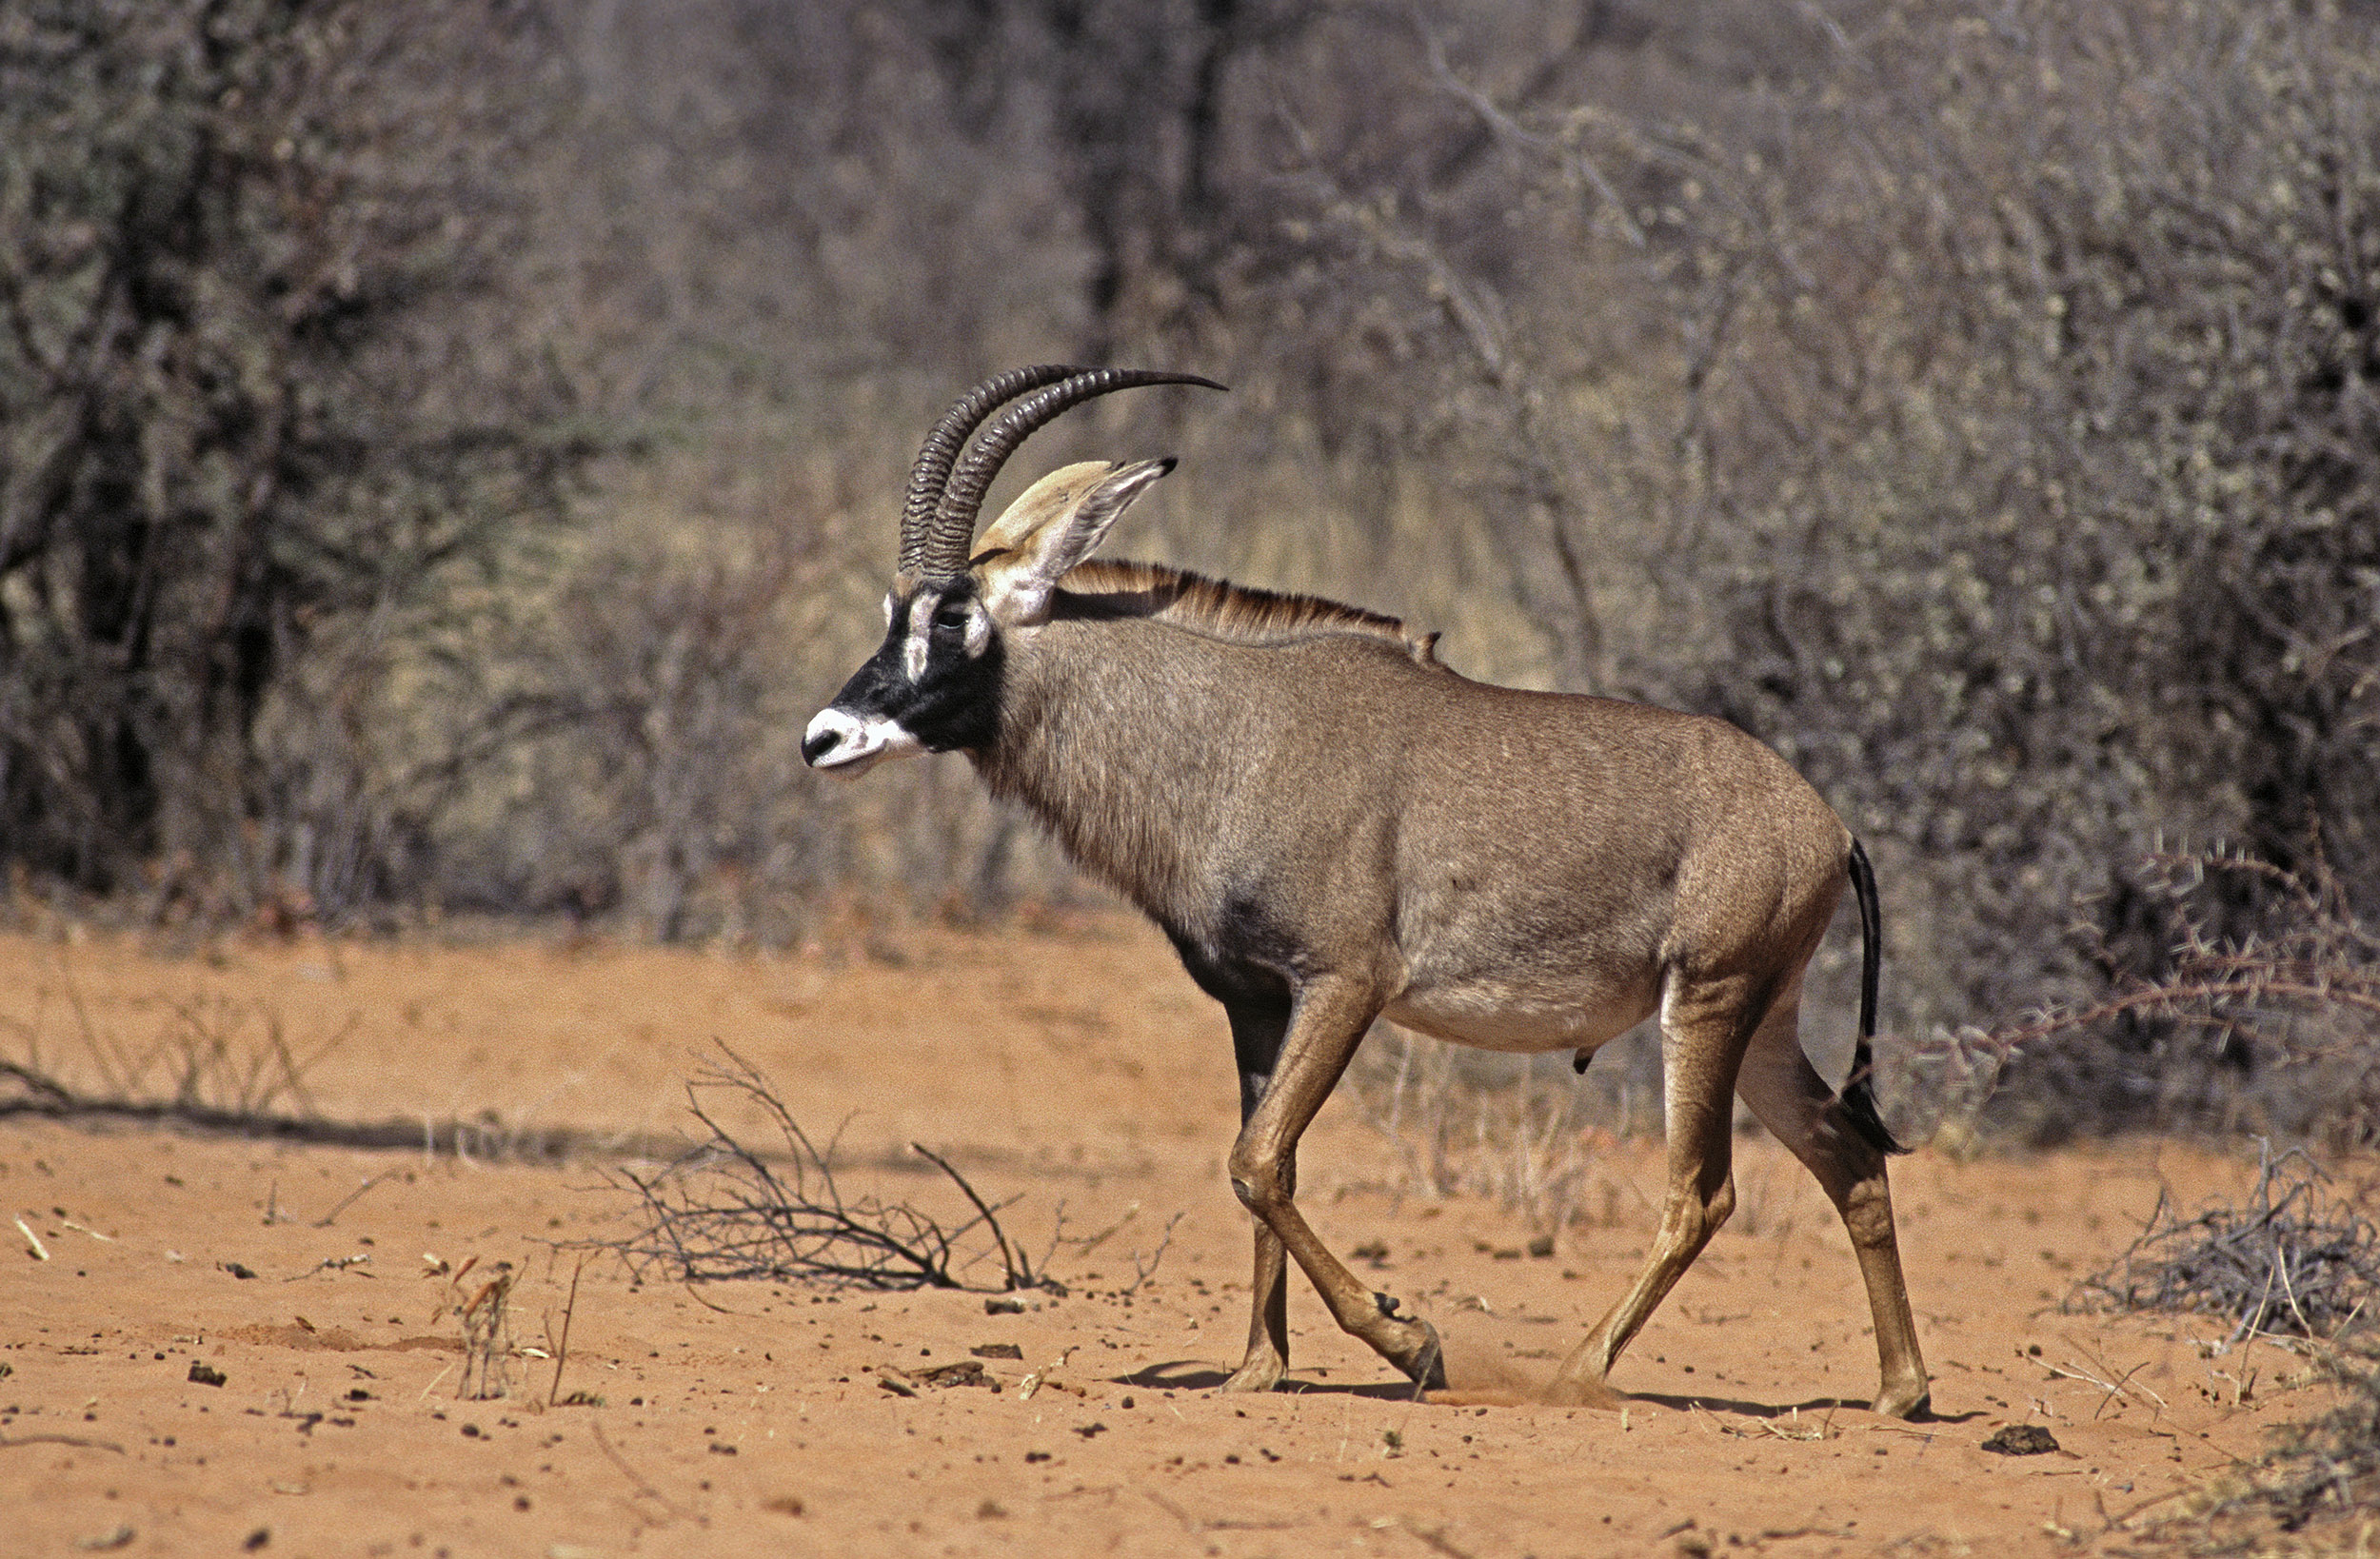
(2271, 1027)
(728, 1209)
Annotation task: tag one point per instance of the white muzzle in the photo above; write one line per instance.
(845, 745)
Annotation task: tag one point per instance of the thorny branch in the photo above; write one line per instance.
(2305, 989)
(723, 1211)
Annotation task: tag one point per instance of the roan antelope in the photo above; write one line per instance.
(1333, 827)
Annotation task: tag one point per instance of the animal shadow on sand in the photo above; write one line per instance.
(1504, 1362)
(1778, 1410)
(1477, 1377)
(1205, 1375)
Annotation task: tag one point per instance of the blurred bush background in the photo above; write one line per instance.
(446, 452)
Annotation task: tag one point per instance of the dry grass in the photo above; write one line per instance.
(1516, 1130)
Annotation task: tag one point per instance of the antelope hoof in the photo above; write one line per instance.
(1905, 1402)
(1261, 1372)
(1426, 1366)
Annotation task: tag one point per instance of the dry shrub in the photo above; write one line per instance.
(2293, 1260)
(728, 1209)
(347, 362)
(266, 383)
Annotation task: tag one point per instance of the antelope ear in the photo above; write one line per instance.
(1055, 523)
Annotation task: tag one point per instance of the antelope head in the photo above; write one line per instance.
(933, 686)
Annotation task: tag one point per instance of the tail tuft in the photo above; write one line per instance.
(1858, 1102)
(1858, 1095)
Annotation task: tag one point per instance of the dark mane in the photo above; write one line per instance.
(1223, 610)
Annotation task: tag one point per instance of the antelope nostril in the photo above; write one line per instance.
(818, 744)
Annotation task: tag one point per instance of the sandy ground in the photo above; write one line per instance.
(1072, 1066)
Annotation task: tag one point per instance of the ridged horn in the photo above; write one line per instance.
(944, 552)
(931, 473)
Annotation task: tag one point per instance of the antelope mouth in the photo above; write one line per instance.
(848, 745)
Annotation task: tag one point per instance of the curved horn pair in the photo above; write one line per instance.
(939, 513)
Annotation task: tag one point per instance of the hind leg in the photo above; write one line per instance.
(1702, 1036)
(1791, 1099)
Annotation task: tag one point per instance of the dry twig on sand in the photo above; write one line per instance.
(726, 1210)
(487, 1336)
(2294, 1261)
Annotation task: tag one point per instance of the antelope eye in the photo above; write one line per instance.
(950, 618)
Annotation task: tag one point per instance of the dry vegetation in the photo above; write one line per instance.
(2267, 1027)
(445, 455)
(447, 460)
(2295, 1260)
(773, 1211)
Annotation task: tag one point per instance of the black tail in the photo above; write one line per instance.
(1858, 1095)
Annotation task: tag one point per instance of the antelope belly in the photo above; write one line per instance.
(1496, 1016)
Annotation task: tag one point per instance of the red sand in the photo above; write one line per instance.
(1080, 1068)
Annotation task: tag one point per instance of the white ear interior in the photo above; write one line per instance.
(1047, 546)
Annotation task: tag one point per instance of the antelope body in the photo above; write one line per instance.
(1333, 827)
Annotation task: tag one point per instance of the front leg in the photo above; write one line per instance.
(1328, 1021)
(1257, 1025)
(1268, 1326)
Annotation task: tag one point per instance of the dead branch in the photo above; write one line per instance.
(727, 1211)
(2292, 1262)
